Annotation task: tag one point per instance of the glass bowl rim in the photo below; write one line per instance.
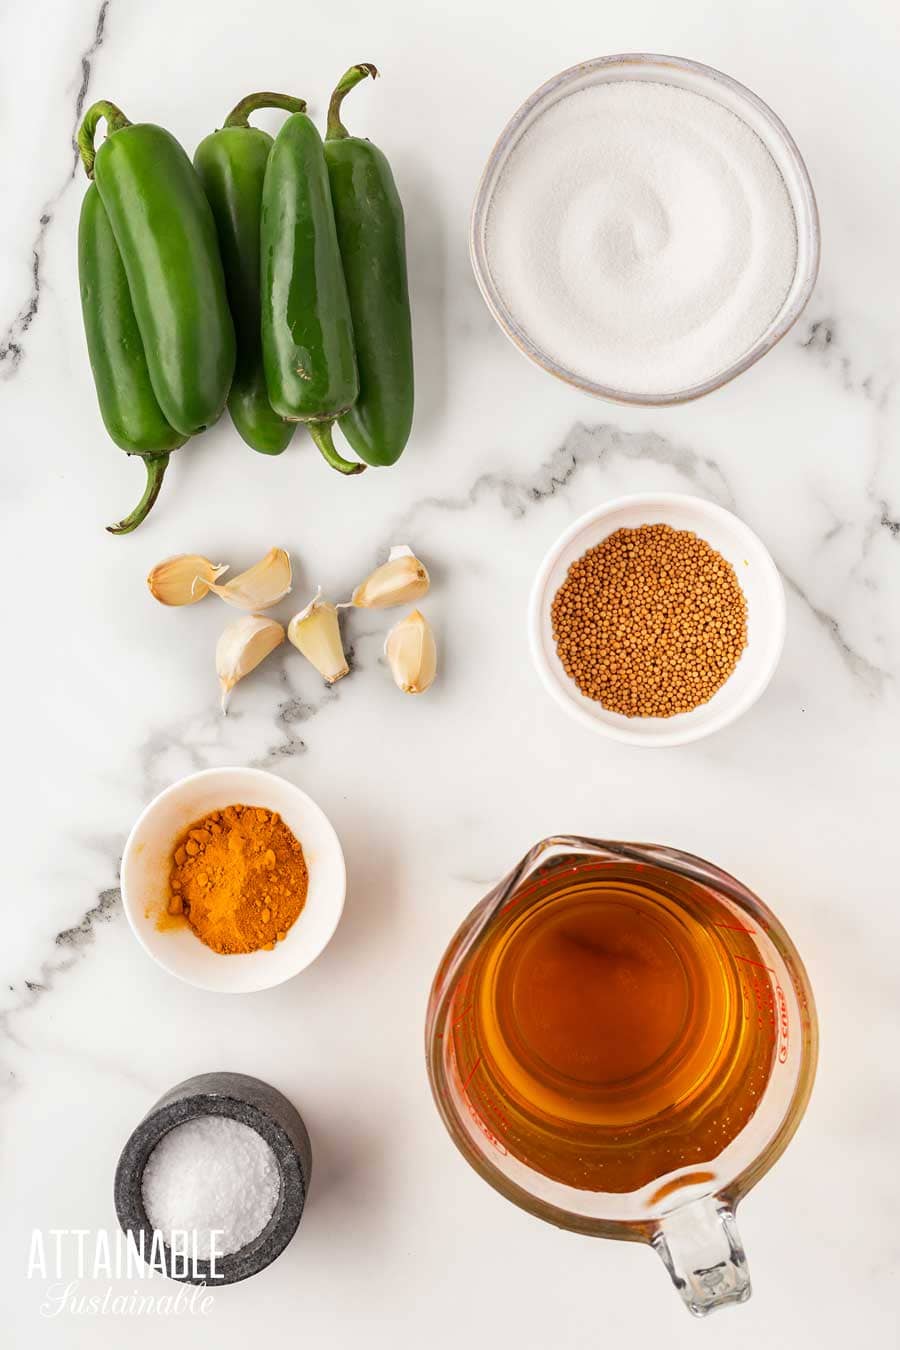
(784, 319)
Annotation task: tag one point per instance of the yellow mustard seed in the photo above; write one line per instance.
(650, 622)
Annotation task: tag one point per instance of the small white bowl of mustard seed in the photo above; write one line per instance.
(657, 619)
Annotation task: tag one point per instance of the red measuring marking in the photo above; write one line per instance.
(462, 1016)
(471, 1075)
(486, 1131)
(755, 963)
(783, 1024)
(576, 868)
(736, 928)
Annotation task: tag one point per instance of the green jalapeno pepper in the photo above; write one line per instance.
(307, 334)
(128, 404)
(166, 237)
(232, 165)
(369, 219)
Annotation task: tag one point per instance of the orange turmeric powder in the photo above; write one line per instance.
(239, 878)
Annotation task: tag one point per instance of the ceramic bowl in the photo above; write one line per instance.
(759, 580)
(145, 871)
(699, 79)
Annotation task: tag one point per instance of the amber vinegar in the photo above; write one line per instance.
(614, 1027)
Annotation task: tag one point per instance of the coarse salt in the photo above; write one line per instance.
(642, 236)
(211, 1174)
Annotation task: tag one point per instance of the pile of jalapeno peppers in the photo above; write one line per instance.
(269, 275)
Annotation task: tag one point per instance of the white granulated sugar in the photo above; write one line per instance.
(211, 1173)
(642, 236)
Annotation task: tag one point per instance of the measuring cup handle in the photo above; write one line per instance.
(702, 1251)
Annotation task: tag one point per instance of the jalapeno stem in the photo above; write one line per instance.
(241, 111)
(156, 469)
(335, 129)
(321, 434)
(115, 121)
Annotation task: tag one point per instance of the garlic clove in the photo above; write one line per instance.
(397, 582)
(262, 585)
(184, 579)
(316, 633)
(411, 654)
(242, 646)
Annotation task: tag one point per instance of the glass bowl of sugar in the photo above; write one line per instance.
(645, 229)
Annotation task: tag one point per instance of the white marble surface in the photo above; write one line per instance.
(108, 697)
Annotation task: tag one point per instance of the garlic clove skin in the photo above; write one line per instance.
(316, 633)
(412, 654)
(401, 579)
(261, 586)
(184, 579)
(242, 646)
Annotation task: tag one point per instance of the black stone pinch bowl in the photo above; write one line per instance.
(253, 1103)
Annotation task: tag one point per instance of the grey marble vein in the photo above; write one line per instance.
(292, 712)
(824, 339)
(584, 447)
(11, 342)
(70, 945)
(880, 520)
(296, 710)
(192, 736)
(819, 336)
(355, 645)
(872, 675)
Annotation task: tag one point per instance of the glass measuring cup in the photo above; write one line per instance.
(684, 1210)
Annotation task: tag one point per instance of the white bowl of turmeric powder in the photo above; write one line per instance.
(233, 880)
(657, 619)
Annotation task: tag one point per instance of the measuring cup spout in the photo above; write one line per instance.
(701, 1249)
